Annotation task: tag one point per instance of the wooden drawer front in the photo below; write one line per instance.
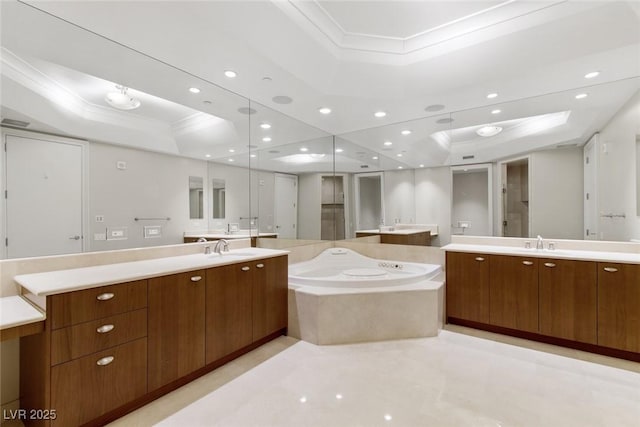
(86, 338)
(82, 390)
(82, 306)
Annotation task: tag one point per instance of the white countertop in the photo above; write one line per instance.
(228, 236)
(623, 257)
(16, 311)
(404, 231)
(55, 282)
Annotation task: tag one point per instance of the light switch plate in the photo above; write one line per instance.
(117, 233)
(100, 236)
(152, 231)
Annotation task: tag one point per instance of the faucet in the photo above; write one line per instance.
(221, 246)
(540, 243)
(207, 249)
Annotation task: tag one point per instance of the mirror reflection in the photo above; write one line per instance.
(218, 198)
(196, 197)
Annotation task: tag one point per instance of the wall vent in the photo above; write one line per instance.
(468, 157)
(14, 123)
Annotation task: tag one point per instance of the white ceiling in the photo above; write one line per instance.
(356, 57)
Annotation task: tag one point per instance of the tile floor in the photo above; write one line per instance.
(455, 379)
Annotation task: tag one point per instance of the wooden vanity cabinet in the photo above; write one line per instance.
(619, 306)
(270, 288)
(568, 295)
(176, 326)
(513, 292)
(467, 286)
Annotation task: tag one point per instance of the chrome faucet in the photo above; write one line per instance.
(540, 243)
(221, 246)
(207, 249)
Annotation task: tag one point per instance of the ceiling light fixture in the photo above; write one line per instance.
(339, 150)
(380, 114)
(399, 155)
(231, 150)
(406, 132)
(324, 110)
(266, 139)
(489, 130)
(421, 165)
(304, 149)
(374, 158)
(265, 126)
(231, 160)
(388, 143)
(492, 95)
(121, 99)
(253, 156)
(400, 167)
(230, 74)
(592, 75)
(194, 90)
(207, 155)
(581, 96)
(496, 111)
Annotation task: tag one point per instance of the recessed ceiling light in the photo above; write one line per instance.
(247, 110)
(581, 96)
(338, 396)
(339, 150)
(267, 79)
(207, 102)
(444, 121)
(388, 417)
(406, 132)
(231, 150)
(324, 110)
(489, 130)
(303, 399)
(121, 99)
(496, 111)
(592, 74)
(380, 114)
(388, 143)
(194, 90)
(375, 158)
(266, 139)
(231, 160)
(492, 95)
(399, 155)
(434, 108)
(421, 165)
(230, 73)
(400, 167)
(304, 149)
(265, 126)
(282, 99)
(252, 155)
(207, 155)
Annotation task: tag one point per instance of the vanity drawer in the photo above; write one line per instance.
(86, 388)
(85, 338)
(82, 306)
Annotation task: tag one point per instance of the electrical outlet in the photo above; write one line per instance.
(117, 233)
(151, 231)
(99, 218)
(464, 224)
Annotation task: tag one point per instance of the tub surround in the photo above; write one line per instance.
(583, 295)
(18, 317)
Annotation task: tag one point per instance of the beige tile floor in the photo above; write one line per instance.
(460, 378)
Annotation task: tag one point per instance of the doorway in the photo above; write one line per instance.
(286, 205)
(332, 215)
(590, 154)
(42, 173)
(369, 190)
(515, 198)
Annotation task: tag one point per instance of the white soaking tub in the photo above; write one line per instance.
(341, 296)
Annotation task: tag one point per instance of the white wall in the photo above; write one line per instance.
(433, 201)
(470, 202)
(618, 174)
(153, 185)
(309, 209)
(556, 208)
(399, 197)
(266, 196)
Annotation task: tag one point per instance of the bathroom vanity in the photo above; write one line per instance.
(588, 300)
(118, 336)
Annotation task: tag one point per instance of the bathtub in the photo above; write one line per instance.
(341, 296)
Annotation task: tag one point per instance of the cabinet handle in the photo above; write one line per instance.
(549, 264)
(260, 265)
(610, 269)
(105, 361)
(106, 296)
(527, 262)
(196, 278)
(479, 258)
(104, 329)
(246, 268)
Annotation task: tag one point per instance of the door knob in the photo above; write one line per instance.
(74, 238)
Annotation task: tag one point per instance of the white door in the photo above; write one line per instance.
(590, 189)
(43, 197)
(286, 205)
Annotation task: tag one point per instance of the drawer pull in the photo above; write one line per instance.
(479, 258)
(260, 265)
(246, 268)
(106, 296)
(196, 278)
(104, 329)
(105, 361)
(527, 262)
(549, 264)
(610, 269)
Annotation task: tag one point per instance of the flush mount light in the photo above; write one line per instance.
(496, 111)
(489, 130)
(266, 139)
(339, 150)
(406, 132)
(230, 73)
(380, 114)
(592, 75)
(581, 96)
(324, 110)
(194, 90)
(304, 149)
(388, 143)
(121, 99)
(265, 126)
(492, 95)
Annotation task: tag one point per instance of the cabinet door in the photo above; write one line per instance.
(468, 286)
(619, 306)
(176, 326)
(513, 292)
(270, 289)
(228, 317)
(568, 296)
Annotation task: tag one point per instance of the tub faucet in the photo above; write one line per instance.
(221, 246)
(540, 243)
